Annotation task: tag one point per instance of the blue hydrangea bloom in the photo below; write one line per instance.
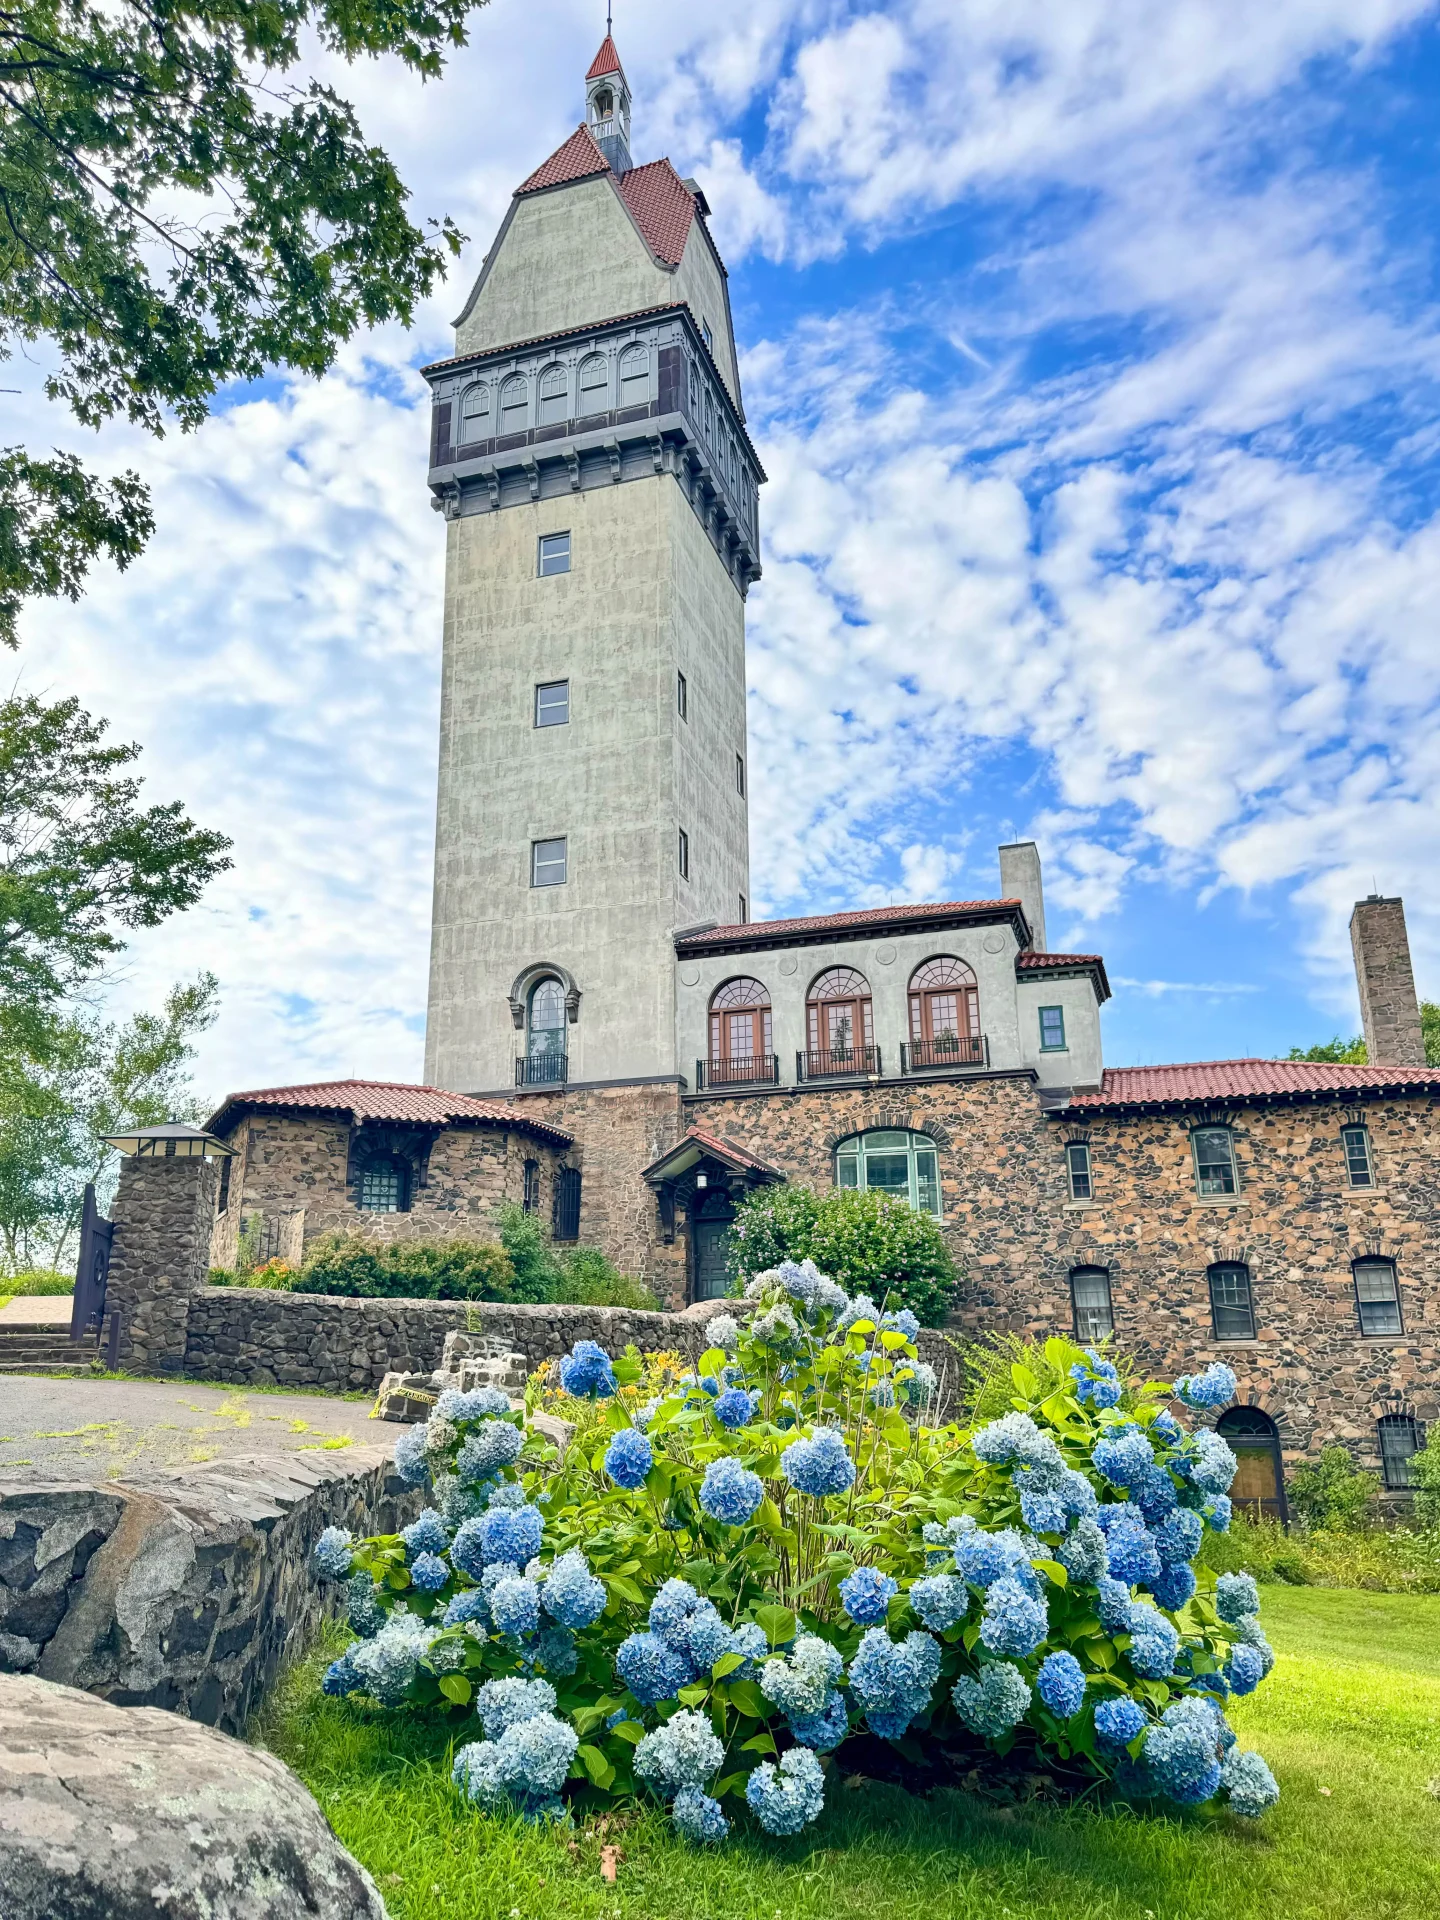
(1113, 1603)
(1130, 1553)
(1015, 1621)
(553, 1648)
(1078, 1494)
(1173, 1586)
(332, 1558)
(734, 1408)
(861, 1307)
(729, 1492)
(363, 1609)
(1061, 1684)
(672, 1607)
(723, 1330)
(571, 1594)
(1084, 1552)
(1096, 1381)
(983, 1558)
(428, 1573)
(1166, 1427)
(1126, 1461)
(491, 1445)
(901, 1321)
(681, 1752)
(1043, 1512)
(1213, 1388)
(527, 1765)
(788, 1797)
(511, 1534)
(800, 1684)
(1118, 1720)
(699, 1818)
(479, 1404)
(820, 1465)
(1249, 1783)
(893, 1680)
(629, 1458)
(467, 1548)
(866, 1594)
(993, 1703)
(1236, 1597)
(650, 1669)
(942, 1600)
(823, 1732)
(515, 1606)
(1015, 1440)
(1209, 1462)
(1217, 1511)
(471, 1607)
(1183, 1758)
(425, 1534)
(1154, 1643)
(388, 1663)
(502, 1704)
(706, 1637)
(1156, 1497)
(1178, 1537)
(586, 1371)
(749, 1640)
(340, 1678)
(410, 1462)
(1244, 1669)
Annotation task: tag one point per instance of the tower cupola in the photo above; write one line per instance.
(607, 106)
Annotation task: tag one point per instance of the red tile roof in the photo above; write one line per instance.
(1049, 962)
(577, 159)
(607, 60)
(362, 1100)
(1217, 1082)
(663, 206)
(864, 920)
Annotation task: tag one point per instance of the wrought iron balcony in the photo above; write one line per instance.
(541, 1069)
(952, 1051)
(749, 1070)
(837, 1063)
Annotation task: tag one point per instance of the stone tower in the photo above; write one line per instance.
(589, 453)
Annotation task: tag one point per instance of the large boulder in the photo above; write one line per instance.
(129, 1813)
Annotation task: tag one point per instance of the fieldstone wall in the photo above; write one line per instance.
(163, 1214)
(185, 1589)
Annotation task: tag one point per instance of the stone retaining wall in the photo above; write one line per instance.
(185, 1589)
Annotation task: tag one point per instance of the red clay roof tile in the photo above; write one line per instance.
(579, 157)
(607, 60)
(862, 919)
(382, 1100)
(1214, 1082)
(663, 206)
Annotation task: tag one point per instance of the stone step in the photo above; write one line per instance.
(9, 1364)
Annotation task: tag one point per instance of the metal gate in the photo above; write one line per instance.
(92, 1277)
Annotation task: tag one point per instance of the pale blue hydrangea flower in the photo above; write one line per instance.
(1015, 1440)
(723, 1330)
(749, 1641)
(788, 1797)
(527, 1765)
(1015, 1621)
(479, 1404)
(1156, 1497)
(1173, 1586)
(1154, 1643)
(1084, 1552)
(901, 1321)
(1182, 1754)
(799, 1279)
(1248, 1632)
(511, 1534)
(735, 1408)
(440, 1436)
(332, 1558)
(919, 1386)
(1042, 1512)
(425, 1534)
(553, 1648)
(505, 1703)
(1096, 1382)
(1236, 1597)
(492, 1445)
(341, 1678)
(801, 1683)
(650, 1669)
(410, 1461)
(1217, 1511)
(829, 1299)
(1208, 1462)
(681, 1752)
(459, 1502)
(866, 1594)
(1244, 1670)
(776, 1327)
(1118, 1720)
(571, 1593)
(1112, 1603)
(942, 1600)
(893, 1680)
(515, 1606)
(428, 1573)
(672, 1606)
(1215, 1387)
(822, 1732)
(819, 1465)
(586, 1371)
(689, 1625)
(993, 1703)
(471, 1608)
(509, 1494)
(388, 1664)
(362, 1606)
(699, 1818)
(1166, 1427)
(467, 1548)
(1130, 1551)
(729, 1492)
(1126, 1461)
(628, 1458)
(1249, 1783)
(1178, 1537)
(1061, 1684)
(983, 1558)
(861, 1307)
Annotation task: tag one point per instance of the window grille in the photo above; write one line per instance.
(552, 704)
(944, 1014)
(1052, 1030)
(1401, 1438)
(382, 1188)
(1214, 1161)
(1358, 1164)
(1077, 1166)
(1232, 1302)
(905, 1165)
(548, 863)
(554, 554)
(1091, 1304)
(840, 1023)
(1377, 1297)
(567, 1203)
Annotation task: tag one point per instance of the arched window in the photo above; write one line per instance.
(1401, 1438)
(594, 383)
(742, 1045)
(1254, 1438)
(554, 396)
(635, 377)
(475, 414)
(1091, 1304)
(515, 404)
(903, 1164)
(604, 104)
(384, 1186)
(1232, 1301)
(944, 1014)
(840, 1024)
(545, 1032)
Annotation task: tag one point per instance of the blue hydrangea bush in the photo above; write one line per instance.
(714, 1590)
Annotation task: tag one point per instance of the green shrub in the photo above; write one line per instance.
(987, 1373)
(39, 1280)
(1331, 1493)
(570, 1276)
(407, 1269)
(588, 1279)
(1377, 1559)
(867, 1242)
(1425, 1469)
(276, 1276)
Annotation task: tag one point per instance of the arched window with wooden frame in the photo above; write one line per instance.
(1259, 1484)
(554, 396)
(742, 1045)
(515, 404)
(945, 1015)
(840, 1025)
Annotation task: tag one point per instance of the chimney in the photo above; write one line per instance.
(1020, 880)
(1389, 1009)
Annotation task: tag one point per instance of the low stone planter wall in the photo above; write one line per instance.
(184, 1589)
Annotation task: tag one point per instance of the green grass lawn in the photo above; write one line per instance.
(1350, 1722)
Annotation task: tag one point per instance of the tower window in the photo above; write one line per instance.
(531, 1202)
(744, 921)
(1232, 1303)
(1052, 1030)
(552, 704)
(554, 554)
(545, 1037)
(1377, 1297)
(1077, 1167)
(682, 696)
(475, 413)
(740, 774)
(604, 104)
(1358, 1164)
(548, 863)
(1214, 1161)
(1401, 1438)
(1091, 1304)
(635, 377)
(554, 396)
(222, 1204)
(515, 404)
(594, 383)
(684, 854)
(707, 336)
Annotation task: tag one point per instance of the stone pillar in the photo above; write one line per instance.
(1020, 880)
(164, 1212)
(1389, 1009)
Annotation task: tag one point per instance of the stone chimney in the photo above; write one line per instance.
(1389, 1009)
(1020, 880)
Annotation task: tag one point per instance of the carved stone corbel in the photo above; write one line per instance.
(612, 447)
(572, 460)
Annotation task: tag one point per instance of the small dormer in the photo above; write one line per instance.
(607, 106)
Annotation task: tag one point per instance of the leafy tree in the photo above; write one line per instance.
(79, 858)
(867, 1242)
(174, 216)
(1425, 1472)
(1332, 1492)
(1351, 1053)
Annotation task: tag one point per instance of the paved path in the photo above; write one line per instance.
(36, 1309)
(86, 1430)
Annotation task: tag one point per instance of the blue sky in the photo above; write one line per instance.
(1092, 352)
